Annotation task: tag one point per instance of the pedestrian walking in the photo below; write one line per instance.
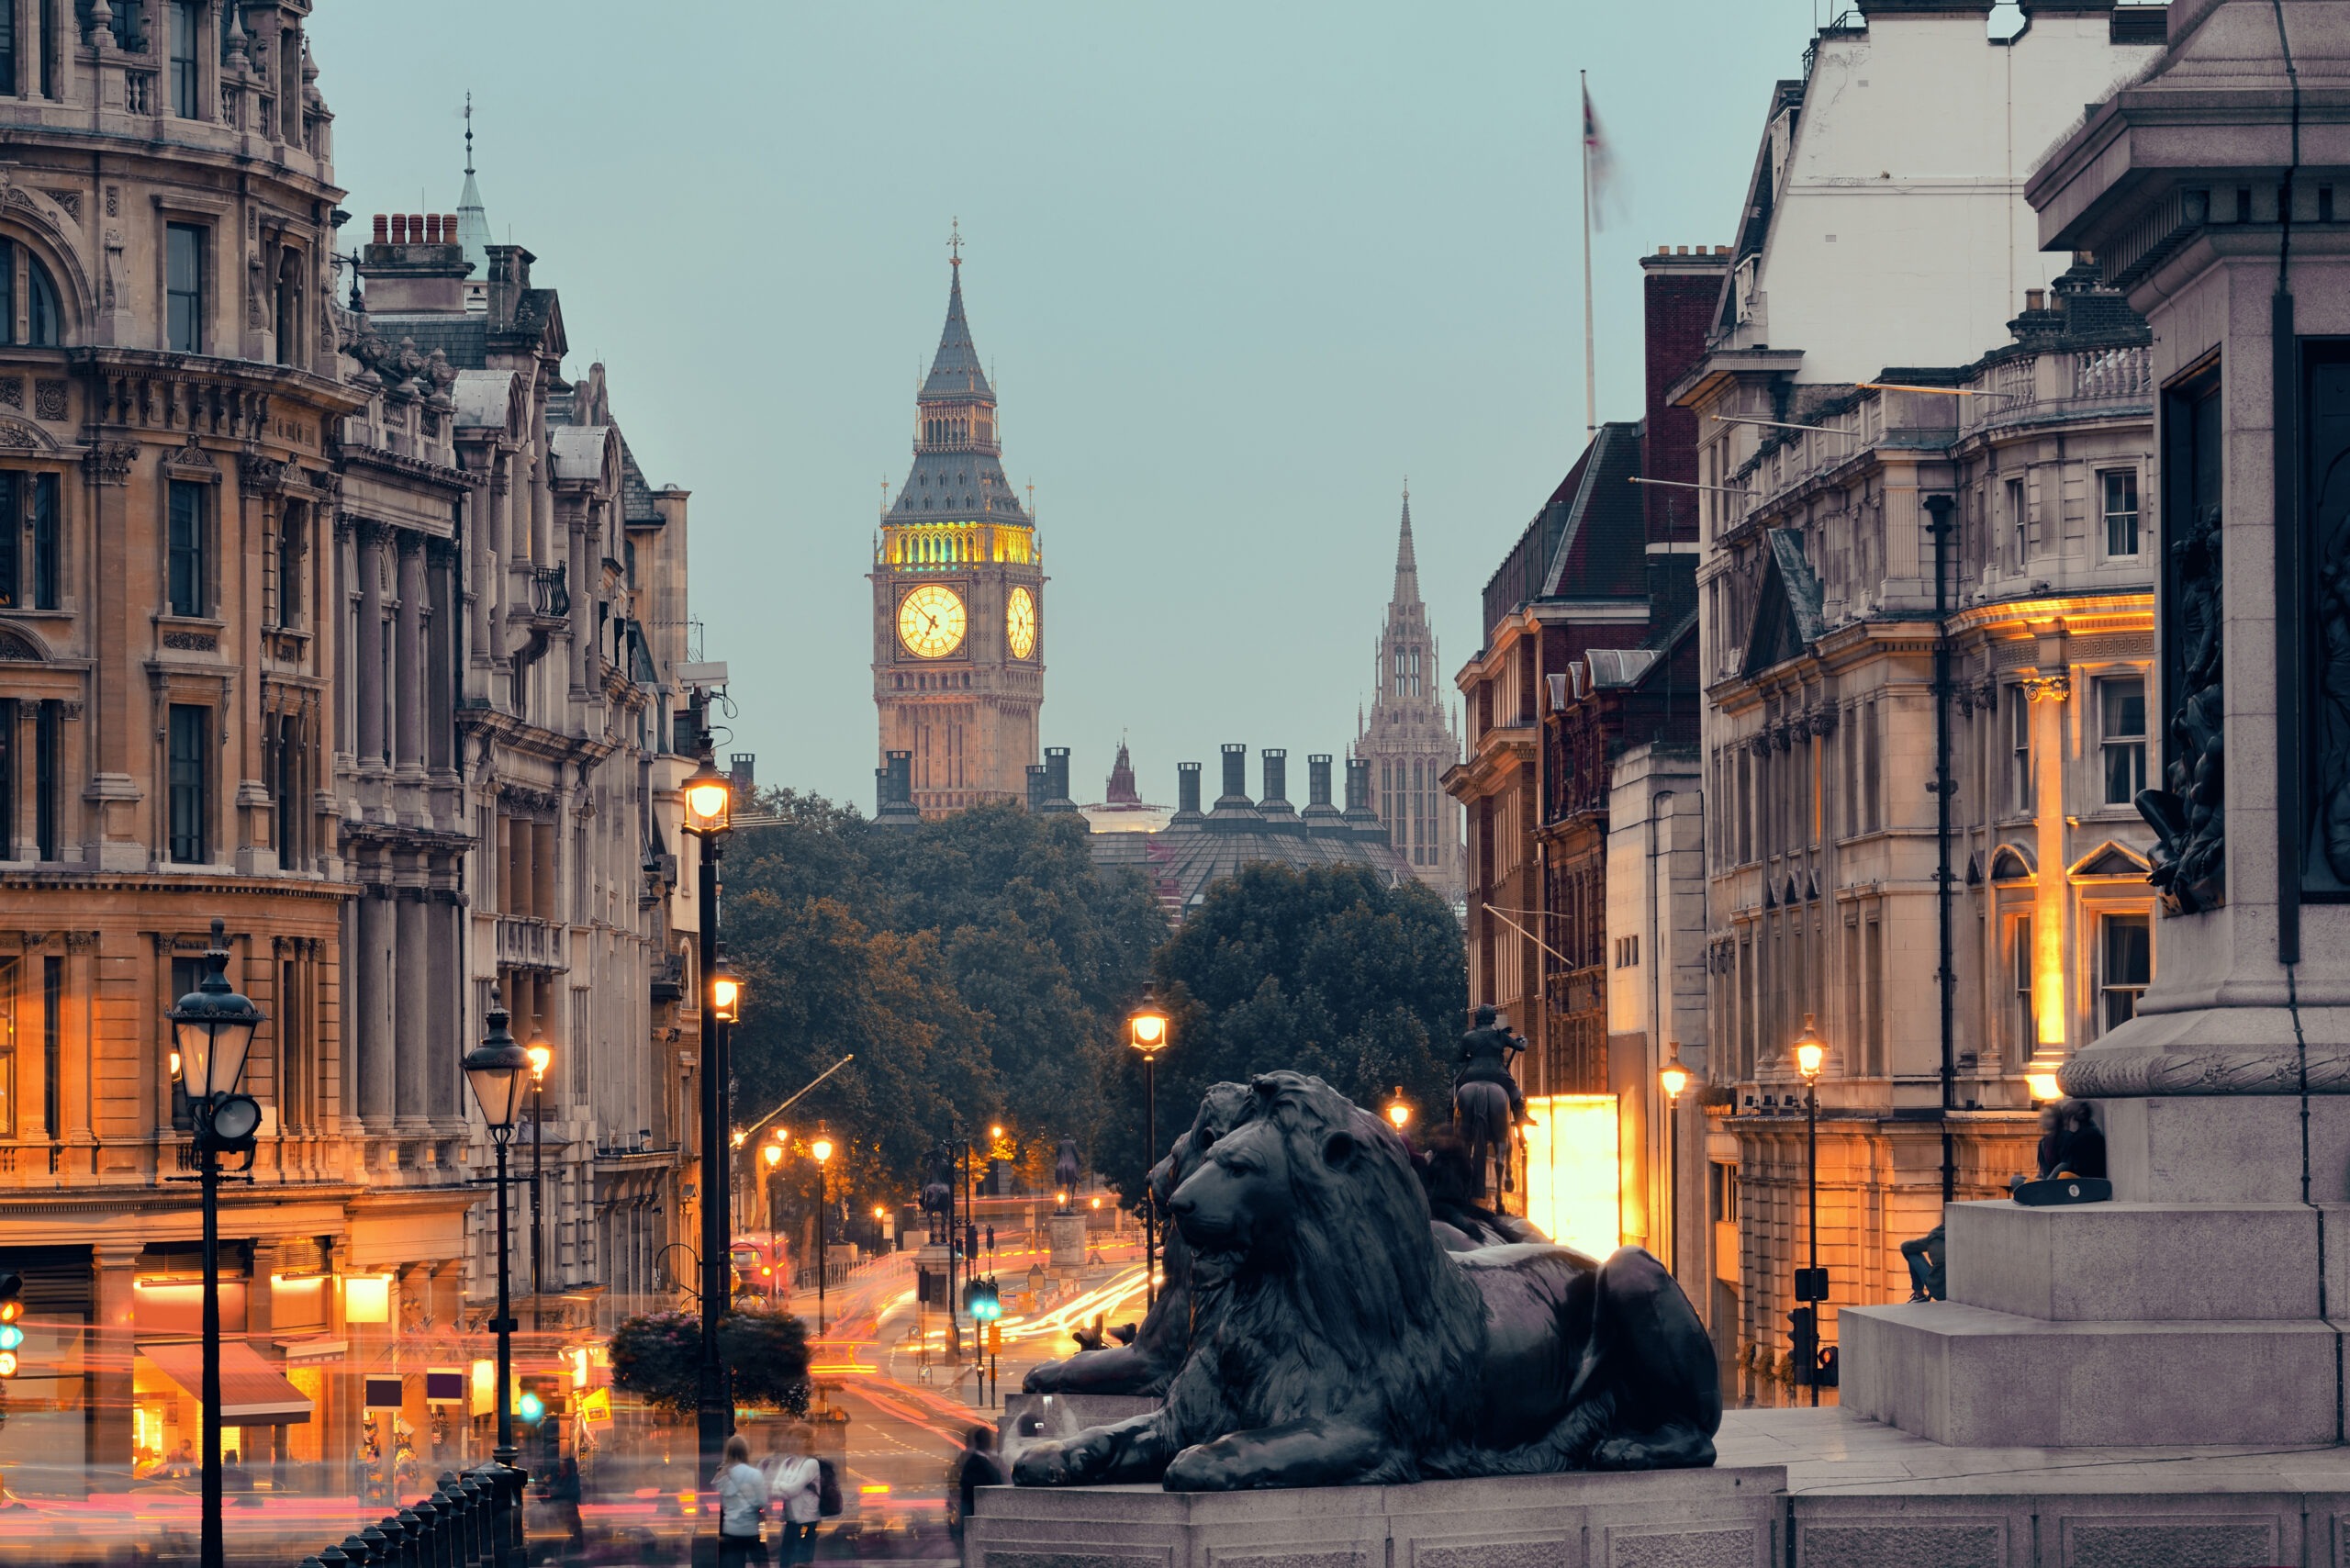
(742, 1504)
(975, 1467)
(795, 1495)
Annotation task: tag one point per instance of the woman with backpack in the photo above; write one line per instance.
(795, 1495)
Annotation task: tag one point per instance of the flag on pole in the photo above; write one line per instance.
(1599, 161)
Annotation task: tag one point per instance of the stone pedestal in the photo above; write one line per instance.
(1685, 1518)
(1068, 1233)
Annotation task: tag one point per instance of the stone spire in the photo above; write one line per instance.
(473, 219)
(955, 371)
(958, 474)
(1121, 790)
(1407, 565)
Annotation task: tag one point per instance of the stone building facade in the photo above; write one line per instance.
(269, 654)
(1407, 740)
(1818, 593)
(958, 595)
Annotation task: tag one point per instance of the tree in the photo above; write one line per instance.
(978, 966)
(657, 1357)
(1328, 971)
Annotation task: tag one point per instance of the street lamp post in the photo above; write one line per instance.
(541, 1053)
(212, 1031)
(822, 1149)
(707, 800)
(1146, 1032)
(1673, 1078)
(494, 1069)
(1811, 1053)
(770, 1156)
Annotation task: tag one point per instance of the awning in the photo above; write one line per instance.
(252, 1391)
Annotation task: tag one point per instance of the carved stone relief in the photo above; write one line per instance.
(2188, 813)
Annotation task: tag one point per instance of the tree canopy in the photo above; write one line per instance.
(1328, 971)
(976, 965)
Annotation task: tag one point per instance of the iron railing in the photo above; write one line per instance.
(474, 1520)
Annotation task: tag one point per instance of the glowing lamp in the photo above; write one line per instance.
(2043, 1083)
(725, 992)
(494, 1069)
(881, 1213)
(213, 1026)
(368, 1298)
(1811, 1051)
(1673, 1078)
(1146, 1026)
(821, 1148)
(1398, 1113)
(7, 1363)
(540, 1055)
(529, 1408)
(772, 1153)
(11, 1337)
(709, 798)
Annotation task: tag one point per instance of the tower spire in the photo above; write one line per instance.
(1407, 566)
(473, 218)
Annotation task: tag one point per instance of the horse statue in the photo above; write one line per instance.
(938, 1189)
(1486, 1104)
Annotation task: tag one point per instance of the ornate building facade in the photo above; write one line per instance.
(270, 653)
(1408, 740)
(958, 595)
(2014, 481)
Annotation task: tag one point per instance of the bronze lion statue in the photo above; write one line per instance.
(1149, 1364)
(1336, 1340)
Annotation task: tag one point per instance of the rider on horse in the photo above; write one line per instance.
(1485, 1056)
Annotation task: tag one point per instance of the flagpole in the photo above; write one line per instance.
(1590, 352)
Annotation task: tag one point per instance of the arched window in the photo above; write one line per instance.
(30, 315)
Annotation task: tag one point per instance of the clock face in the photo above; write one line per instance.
(930, 622)
(1019, 623)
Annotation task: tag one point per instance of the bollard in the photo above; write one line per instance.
(361, 1554)
(385, 1555)
(428, 1529)
(477, 1538)
(332, 1557)
(413, 1528)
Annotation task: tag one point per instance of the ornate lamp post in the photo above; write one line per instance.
(1673, 1078)
(212, 1031)
(709, 799)
(1811, 1054)
(495, 1069)
(821, 1147)
(540, 1053)
(1146, 1032)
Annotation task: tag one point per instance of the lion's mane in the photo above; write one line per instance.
(1361, 1300)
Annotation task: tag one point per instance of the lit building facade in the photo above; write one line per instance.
(1816, 584)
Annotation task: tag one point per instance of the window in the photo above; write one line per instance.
(287, 789)
(191, 766)
(29, 316)
(2020, 982)
(127, 36)
(2121, 486)
(188, 530)
(288, 306)
(1745, 807)
(45, 588)
(2019, 792)
(1872, 790)
(2122, 702)
(2018, 526)
(8, 780)
(49, 767)
(8, 51)
(11, 972)
(1628, 952)
(2126, 963)
(184, 287)
(187, 27)
(52, 1045)
(292, 525)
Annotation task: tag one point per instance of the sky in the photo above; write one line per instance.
(1238, 270)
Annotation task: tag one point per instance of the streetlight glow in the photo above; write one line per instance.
(1811, 1051)
(821, 1148)
(773, 1155)
(1146, 1026)
(709, 797)
(1397, 1111)
(1674, 1078)
(725, 992)
(540, 1055)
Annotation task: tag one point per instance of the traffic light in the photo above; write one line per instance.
(1803, 1343)
(12, 1333)
(980, 1300)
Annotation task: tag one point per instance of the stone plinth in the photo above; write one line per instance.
(1676, 1518)
(1068, 1234)
(1031, 1418)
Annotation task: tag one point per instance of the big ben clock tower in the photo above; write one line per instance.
(958, 595)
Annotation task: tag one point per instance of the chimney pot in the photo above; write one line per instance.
(449, 227)
(433, 229)
(1664, 250)
(2035, 298)
(416, 228)
(399, 229)
(1684, 250)
(383, 228)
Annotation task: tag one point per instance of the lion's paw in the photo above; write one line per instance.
(1198, 1469)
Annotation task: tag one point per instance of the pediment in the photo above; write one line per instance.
(1787, 611)
(2111, 859)
(2012, 862)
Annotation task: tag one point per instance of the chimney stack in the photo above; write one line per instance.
(383, 230)
(897, 782)
(1057, 799)
(1317, 779)
(1040, 786)
(1187, 790)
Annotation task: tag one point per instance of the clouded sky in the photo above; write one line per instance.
(1238, 269)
